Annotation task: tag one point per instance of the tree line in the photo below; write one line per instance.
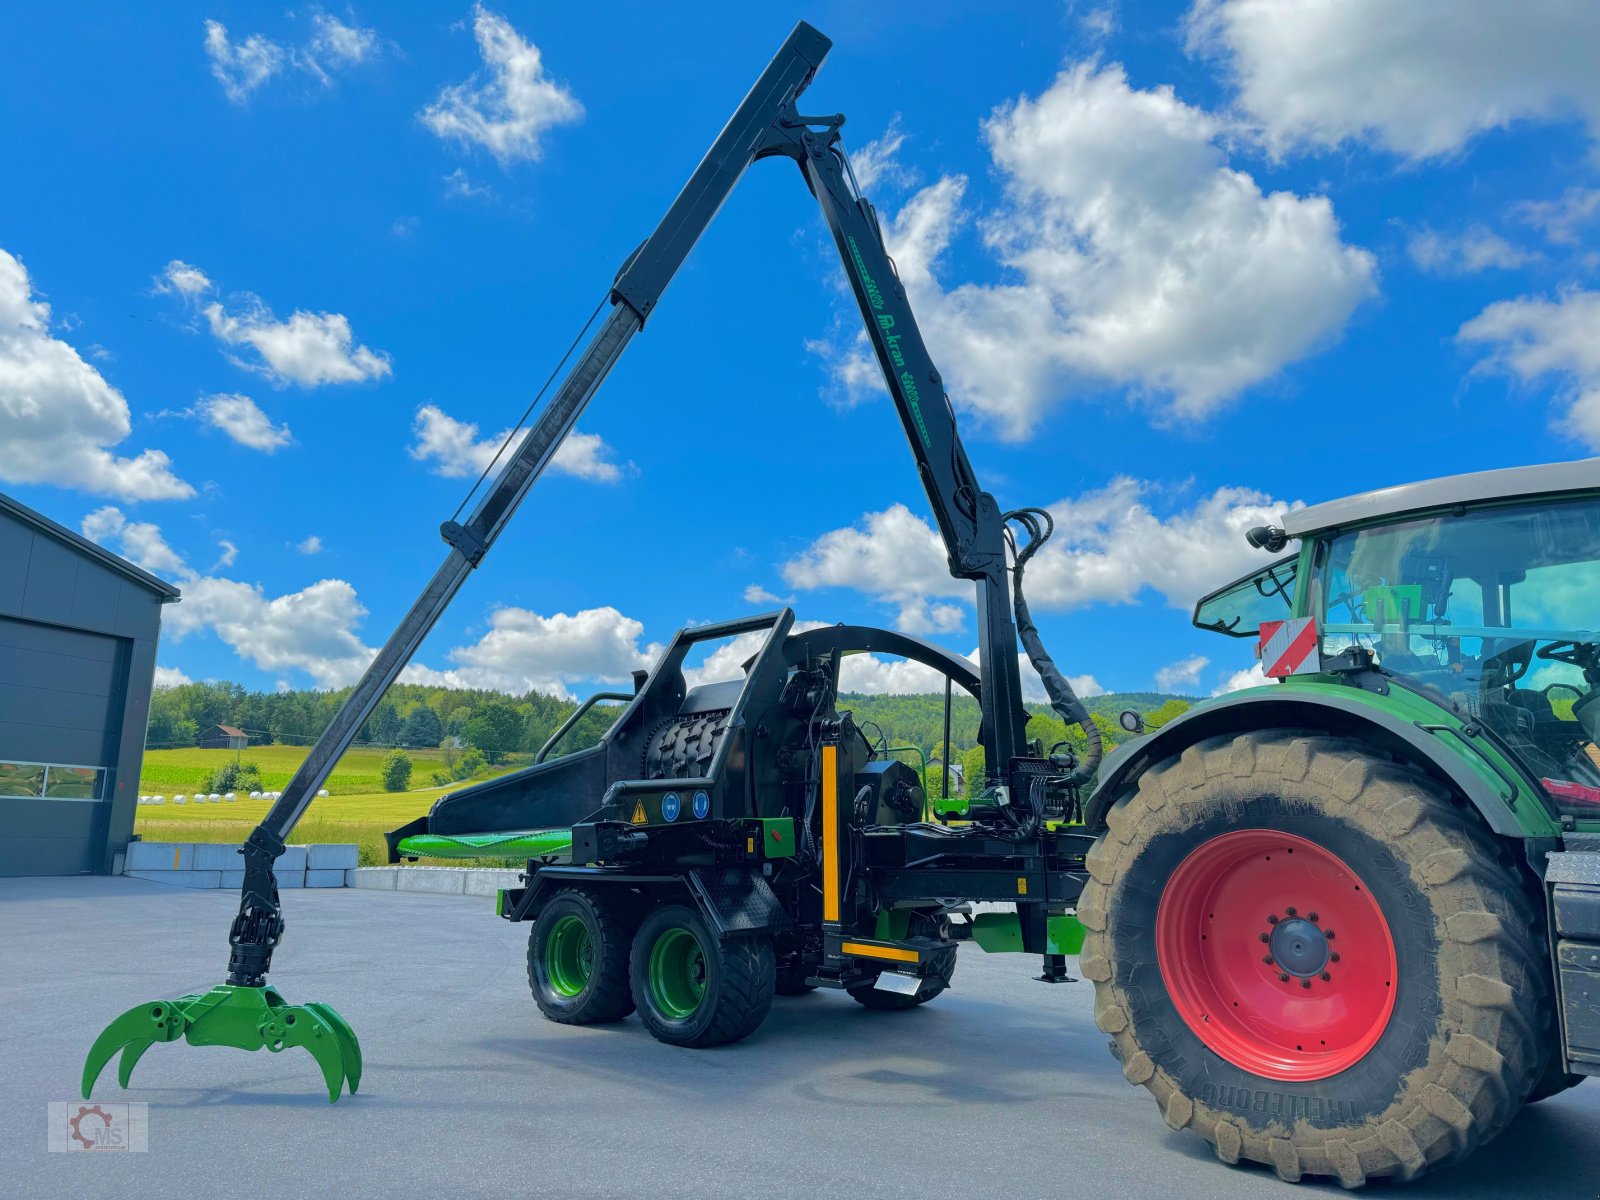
(495, 725)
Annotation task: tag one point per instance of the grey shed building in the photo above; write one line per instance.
(78, 629)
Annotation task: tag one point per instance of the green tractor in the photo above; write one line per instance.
(1347, 923)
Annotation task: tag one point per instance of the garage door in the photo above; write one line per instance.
(60, 716)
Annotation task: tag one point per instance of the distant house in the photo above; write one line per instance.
(225, 737)
(958, 776)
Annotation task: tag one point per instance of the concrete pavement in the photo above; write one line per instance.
(1003, 1087)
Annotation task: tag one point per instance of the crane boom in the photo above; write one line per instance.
(766, 124)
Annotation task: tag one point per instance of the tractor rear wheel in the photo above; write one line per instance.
(1313, 959)
(578, 959)
(695, 989)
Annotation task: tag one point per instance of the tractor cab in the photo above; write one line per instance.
(1481, 592)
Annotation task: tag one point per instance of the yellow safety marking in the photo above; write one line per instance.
(749, 845)
(638, 817)
(830, 833)
(175, 850)
(1022, 886)
(862, 950)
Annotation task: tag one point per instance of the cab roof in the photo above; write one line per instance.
(1503, 484)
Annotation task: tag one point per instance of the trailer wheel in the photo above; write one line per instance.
(1313, 959)
(578, 959)
(694, 989)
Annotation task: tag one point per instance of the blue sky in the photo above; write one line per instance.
(262, 270)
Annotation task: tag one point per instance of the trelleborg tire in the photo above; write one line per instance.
(1369, 1008)
(578, 959)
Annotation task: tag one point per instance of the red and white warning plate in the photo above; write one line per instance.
(1290, 647)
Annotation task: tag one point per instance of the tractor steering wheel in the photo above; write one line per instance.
(1577, 654)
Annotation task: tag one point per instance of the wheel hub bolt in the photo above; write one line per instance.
(1272, 919)
(1328, 933)
(1326, 978)
(1267, 958)
(1334, 957)
(1264, 937)
(1311, 916)
(1292, 911)
(1283, 978)
(1305, 983)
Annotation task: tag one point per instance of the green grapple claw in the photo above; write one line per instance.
(247, 1018)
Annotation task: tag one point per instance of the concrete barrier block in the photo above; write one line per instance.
(442, 880)
(290, 879)
(324, 878)
(183, 879)
(216, 856)
(159, 856)
(233, 880)
(486, 881)
(333, 856)
(291, 860)
(373, 878)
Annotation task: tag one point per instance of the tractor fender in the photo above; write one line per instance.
(1277, 707)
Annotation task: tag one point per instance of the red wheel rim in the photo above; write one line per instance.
(1276, 955)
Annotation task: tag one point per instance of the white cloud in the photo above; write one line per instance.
(142, 541)
(1109, 546)
(454, 449)
(1252, 676)
(58, 415)
(1143, 261)
(1533, 337)
(1476, 249)
(241, 67)
(895, 557)
(311, 630)
(1420, 78)
(170, 677)
(308, 349)
(334, 45)
(404, 227)
(1183, 675)
(178, 278)
(756, 594)
(1561, 220)
(310, 545)
(878, 161)
(523, 651)
(458, 185)
(507, 107)
(229, 555)
(242, 420)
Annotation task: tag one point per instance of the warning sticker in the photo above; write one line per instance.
(1289, 647)
(638, 817)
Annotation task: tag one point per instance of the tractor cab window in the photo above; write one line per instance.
(1238, 609)
(1497, 612)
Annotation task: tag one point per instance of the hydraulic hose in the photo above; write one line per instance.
(1039, 525)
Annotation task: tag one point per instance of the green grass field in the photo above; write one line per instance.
(362, 819)
(359, 772)
(357, 809)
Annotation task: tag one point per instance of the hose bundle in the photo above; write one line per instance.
(1039, 525)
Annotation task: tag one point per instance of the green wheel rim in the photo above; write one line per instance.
(568, 956)
(677, 973)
